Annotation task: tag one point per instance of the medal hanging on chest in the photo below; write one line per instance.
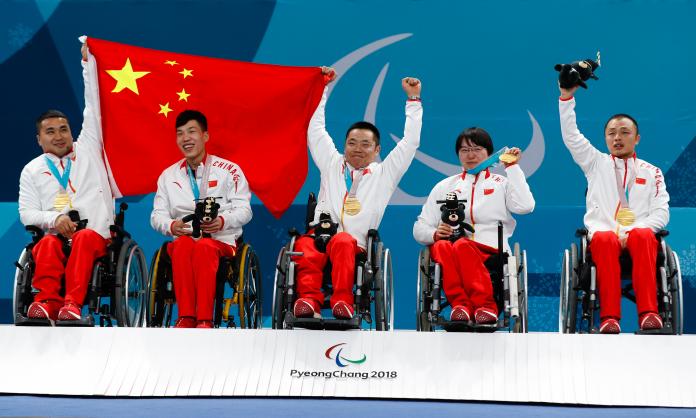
(62, 199)
(351, 204)
(625, 217)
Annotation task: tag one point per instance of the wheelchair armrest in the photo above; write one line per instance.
(372, 233)
(661, 233)
(117, 231)
(581, 232)
(36, 232)
(293, 232)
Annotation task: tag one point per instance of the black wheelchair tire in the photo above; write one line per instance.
(423, 287)
(130, 251)
(249, 294)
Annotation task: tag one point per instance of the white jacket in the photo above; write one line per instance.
(490, 198)
(378, 182)
(174, 198)
(647, 196)
(88, 187)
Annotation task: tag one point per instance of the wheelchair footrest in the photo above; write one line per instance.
(460, 326)
(666, 330)
(324, 323)
(23, 321)
(86, 321)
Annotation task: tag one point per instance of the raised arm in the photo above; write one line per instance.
(90, 135)
(321, 146)
(582, 151)
(399, 159)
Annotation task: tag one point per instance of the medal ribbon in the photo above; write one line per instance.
(621, 187)
(204, 180)
(65, 178)
(488, 162)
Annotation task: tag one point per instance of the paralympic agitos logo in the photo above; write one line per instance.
(335, 353)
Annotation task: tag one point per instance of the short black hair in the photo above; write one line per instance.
(619, 116)
(365, 125)
(476, 136)
(188, 115)
(49, 114)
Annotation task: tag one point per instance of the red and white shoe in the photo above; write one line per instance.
(186, 322)
(460, 313)
(342, 310)
(70, 312)
(306, 308)
(649, 321)
(485, 316)
(610, 326)
(40, 310)
(204, 324)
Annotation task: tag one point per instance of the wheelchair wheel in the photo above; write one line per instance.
(249, 289)
(161, 300)
(280, 297)
(130, 296)
(568, 303)
(22, 295)
(520, 325)
(675, 288)
(384, 298)
(422, 289)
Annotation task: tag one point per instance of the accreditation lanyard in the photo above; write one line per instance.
(65, 177)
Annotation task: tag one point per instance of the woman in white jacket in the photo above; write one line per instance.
(491, 198)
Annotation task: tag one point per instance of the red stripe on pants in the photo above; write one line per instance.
(341, 250)
(465, 279)
(194, 266)
(48, 254)
(606, 249)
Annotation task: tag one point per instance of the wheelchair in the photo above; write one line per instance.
(117, 289)
(374, 281)
(238, 284)
(509, 278)
(579, 304)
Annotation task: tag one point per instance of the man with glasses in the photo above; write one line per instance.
(490, 198)
(355, 190)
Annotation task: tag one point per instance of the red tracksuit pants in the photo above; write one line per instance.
(606, 249)
(195, 264)
(341, 250)
(51, 266)
(465, 279)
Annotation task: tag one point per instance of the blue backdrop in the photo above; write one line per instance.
(488, 64)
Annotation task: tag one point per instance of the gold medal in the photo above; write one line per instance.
(508, 158)
(625, 217)
(351, 206)
(62, 200)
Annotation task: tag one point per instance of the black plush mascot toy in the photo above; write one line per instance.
(453, 215)
(206, 211)
(576, 73)
(323, 232)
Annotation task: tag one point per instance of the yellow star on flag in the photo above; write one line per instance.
(164, 109)
(126, 78)
(186, 73)
(172, 63)
(183, 95)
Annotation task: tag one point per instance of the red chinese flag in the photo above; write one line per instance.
(257, 116)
